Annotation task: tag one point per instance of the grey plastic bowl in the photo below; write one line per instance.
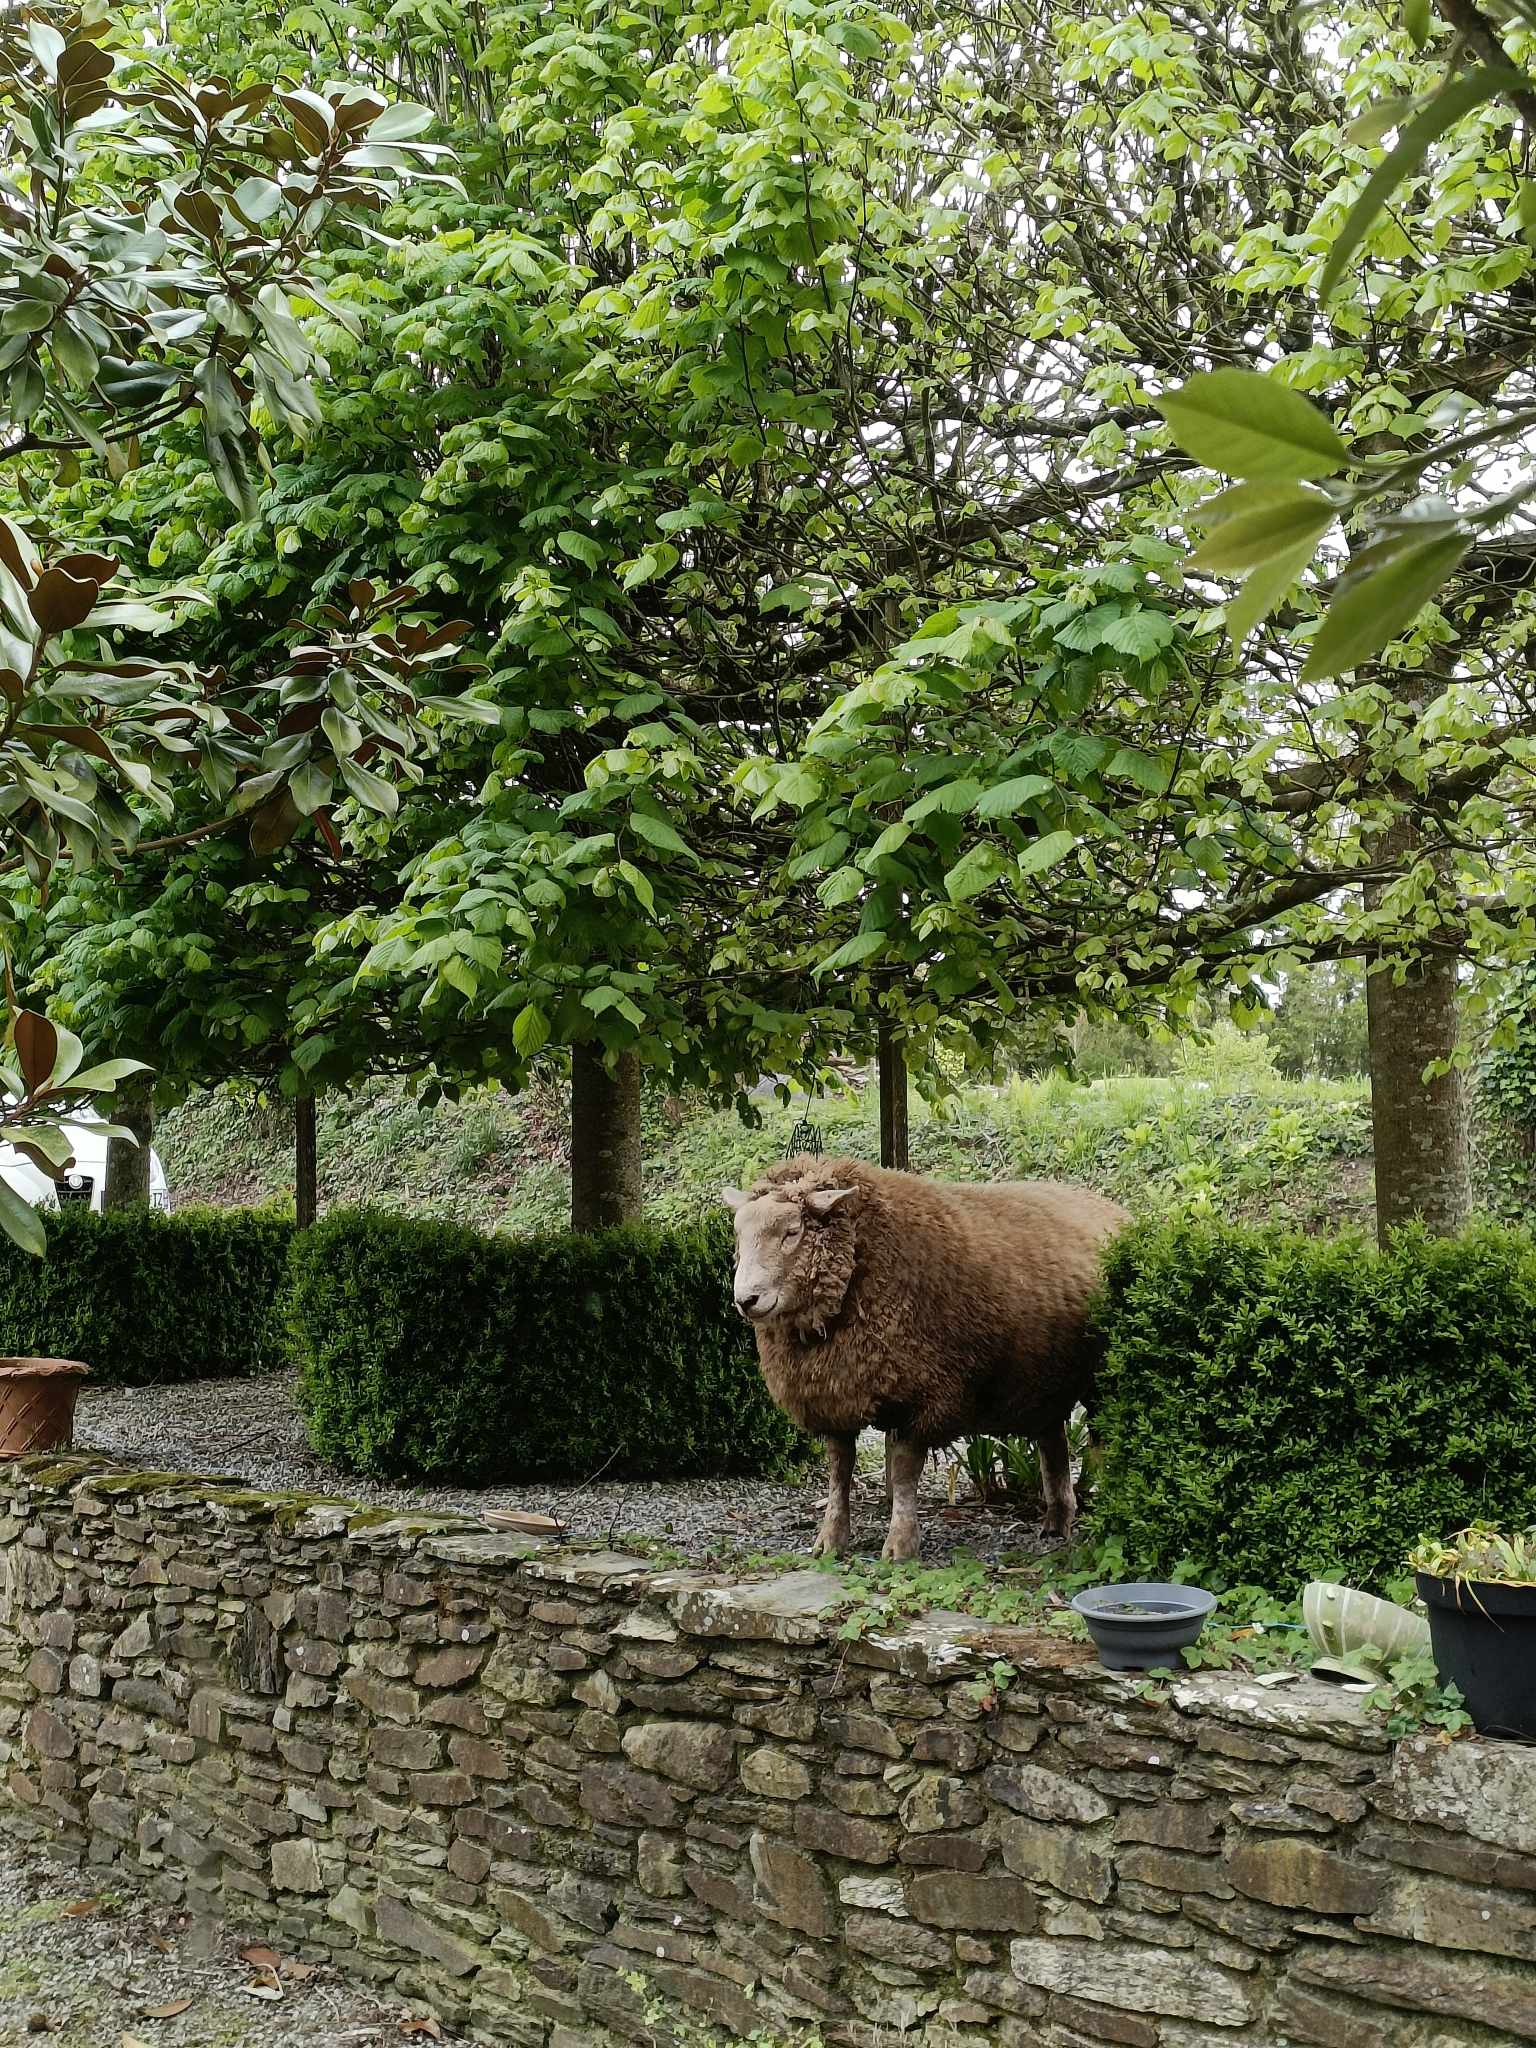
(1171, 1617)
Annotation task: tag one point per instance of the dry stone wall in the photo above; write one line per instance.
(572, 1799)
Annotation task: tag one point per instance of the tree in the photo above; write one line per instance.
(141, 276)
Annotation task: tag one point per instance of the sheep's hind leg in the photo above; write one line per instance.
(906, 1465)
(836, 1532)
(1056, 1483)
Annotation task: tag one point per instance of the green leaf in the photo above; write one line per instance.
(372, 791)
(20, 1222)
(310, 786)
(343, 732)
(639, 882)
(101, 1078)
(1045, 852)
(1372, 609)
(842, 886)
(1417, 16)
(1005, 798)
(976, 870)
(862, 946)
(1455, 99)
(1250, 425)
(1140, 634)
(1266, 520)
(657, 832)
(530, 1031)
(581, 547)
(1143, 769)
(1264, 589)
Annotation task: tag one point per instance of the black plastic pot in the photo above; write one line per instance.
(1169, 1618)
(1484, 1640)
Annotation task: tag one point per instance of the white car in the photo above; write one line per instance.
(85, 1181)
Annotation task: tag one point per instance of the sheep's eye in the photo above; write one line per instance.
(793, 1234)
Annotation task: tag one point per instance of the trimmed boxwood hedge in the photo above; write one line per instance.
(1273, 1406)
(142, 1297)
(428, 1351)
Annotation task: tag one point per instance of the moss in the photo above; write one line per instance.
(289, 1509)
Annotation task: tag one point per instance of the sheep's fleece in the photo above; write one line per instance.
(927, 1309)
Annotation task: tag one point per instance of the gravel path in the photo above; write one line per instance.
(250, 1429)
(88, 1969)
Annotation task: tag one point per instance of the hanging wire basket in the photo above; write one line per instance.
(806, 1136)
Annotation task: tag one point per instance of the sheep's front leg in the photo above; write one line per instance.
(1056, 1483)
(836, 1532)
(906, 1469)
(890, 1469)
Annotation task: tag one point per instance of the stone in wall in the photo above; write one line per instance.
(555, 1793)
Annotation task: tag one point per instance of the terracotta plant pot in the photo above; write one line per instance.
(37, 1404)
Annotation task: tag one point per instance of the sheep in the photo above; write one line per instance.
(929, 1310)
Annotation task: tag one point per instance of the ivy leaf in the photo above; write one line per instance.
(1372, 609)
(1250, 425)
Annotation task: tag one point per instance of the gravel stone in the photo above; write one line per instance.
(250, 1430)
(88, 1979)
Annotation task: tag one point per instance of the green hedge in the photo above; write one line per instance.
(1273, 1406)
(430, 1351)
(141, 1297)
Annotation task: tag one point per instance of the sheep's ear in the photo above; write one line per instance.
(822, 1201)
(733, 1198)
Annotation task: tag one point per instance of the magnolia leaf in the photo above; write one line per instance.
(59, 601)
(1454, 100)
(1045, 852)
(36, 1041)
(106, 1074)
(1274, 521)
(20, 1222)
(400, 123)
(1369, 610)
(1252, 426)
(310, 786)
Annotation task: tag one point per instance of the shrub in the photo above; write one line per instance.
(1274, 1407)
(142, 1297)
(428, 1351)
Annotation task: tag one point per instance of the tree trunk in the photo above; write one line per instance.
(895, 1150)
(1420, 1127)
(306, 1181)
(605, 1140)
(127, 1179)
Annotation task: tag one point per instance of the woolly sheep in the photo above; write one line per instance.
(929, 1310)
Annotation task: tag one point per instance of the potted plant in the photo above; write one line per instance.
(1480, 1589)
(37, 1404)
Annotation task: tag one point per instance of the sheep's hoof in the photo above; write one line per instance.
(901, 1542)
(832, 1539)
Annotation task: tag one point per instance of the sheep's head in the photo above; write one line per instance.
(794, 1252)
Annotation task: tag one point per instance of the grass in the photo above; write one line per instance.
(1253, 1147)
